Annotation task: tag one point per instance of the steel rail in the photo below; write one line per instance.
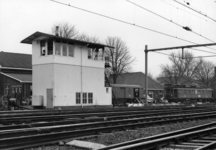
(123, 123)
(41, 139)
(110, 118)
(169, 139)
(29, 119)
(79, 110)
(57, 112)
(91, 118)
(50, 137)
(159, 136)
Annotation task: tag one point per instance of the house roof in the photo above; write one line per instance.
(44, 36)
(138, 78)
(15, 60)
(126, 85)
(23, 78)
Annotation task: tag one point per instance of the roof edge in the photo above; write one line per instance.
(37, 34)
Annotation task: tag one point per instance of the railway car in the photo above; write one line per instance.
(188, 94)
(123, 94)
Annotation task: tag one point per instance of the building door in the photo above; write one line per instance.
(136, 92)
(49, 98)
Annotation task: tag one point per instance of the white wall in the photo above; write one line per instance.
(69, 80)
(43, 78)
(66, 76)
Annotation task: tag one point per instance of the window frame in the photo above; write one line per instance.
(90, 98)
(78, 98)
(84, 98)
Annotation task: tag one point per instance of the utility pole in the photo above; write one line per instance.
(146, 74)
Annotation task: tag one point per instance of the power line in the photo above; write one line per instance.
(187, 12)
(204, 56)
(202, 50)
(186, 28)
(187, 57)
(199, 12)
(155, 31)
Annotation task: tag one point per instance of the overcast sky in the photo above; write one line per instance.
(21, 18)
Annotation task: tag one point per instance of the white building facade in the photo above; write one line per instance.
(67, 72)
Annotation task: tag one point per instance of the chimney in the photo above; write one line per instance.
(56, 31)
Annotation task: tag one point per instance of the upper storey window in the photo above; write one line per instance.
(70, 50)
(96, 54)
(50, 47)
(43, 48)
(57, 48)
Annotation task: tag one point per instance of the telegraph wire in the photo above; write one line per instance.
(155, 31)
(199, 12)
(186, 28)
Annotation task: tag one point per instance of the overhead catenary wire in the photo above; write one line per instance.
(199, 12)
(187, 12)
(152, 30)
(171, 21)
(181, 57)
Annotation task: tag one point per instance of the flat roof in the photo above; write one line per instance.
(44, 36)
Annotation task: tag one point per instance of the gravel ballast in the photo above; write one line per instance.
(123, 136)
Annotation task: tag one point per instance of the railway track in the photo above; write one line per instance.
(196, 138)
(23, 138)
(95, 116)
(96, 110)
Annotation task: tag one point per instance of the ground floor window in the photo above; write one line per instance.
(84, 98)
(78, 98)
(87, 98)
(90, 98)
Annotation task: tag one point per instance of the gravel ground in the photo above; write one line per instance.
(122, 136)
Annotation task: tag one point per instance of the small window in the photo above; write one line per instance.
(64, 49)
(78, 98)
(43, 48)
(96, 53)
(84, 98)
(50, 47)
(107, 90)
(57, 48)
(101, 54)
(20, 90)
(90, 53)
(90, 98)
(71, 50)
(12, 90)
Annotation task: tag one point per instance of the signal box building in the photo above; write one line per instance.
(67, 72)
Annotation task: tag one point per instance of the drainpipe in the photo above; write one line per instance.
(81, 74)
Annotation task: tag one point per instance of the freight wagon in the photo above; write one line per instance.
(124, 93)
(188, 94)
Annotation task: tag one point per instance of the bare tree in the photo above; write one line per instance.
(205, 73)
(65, 30)
(181, 71)
(119, 57)
(85, 37)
